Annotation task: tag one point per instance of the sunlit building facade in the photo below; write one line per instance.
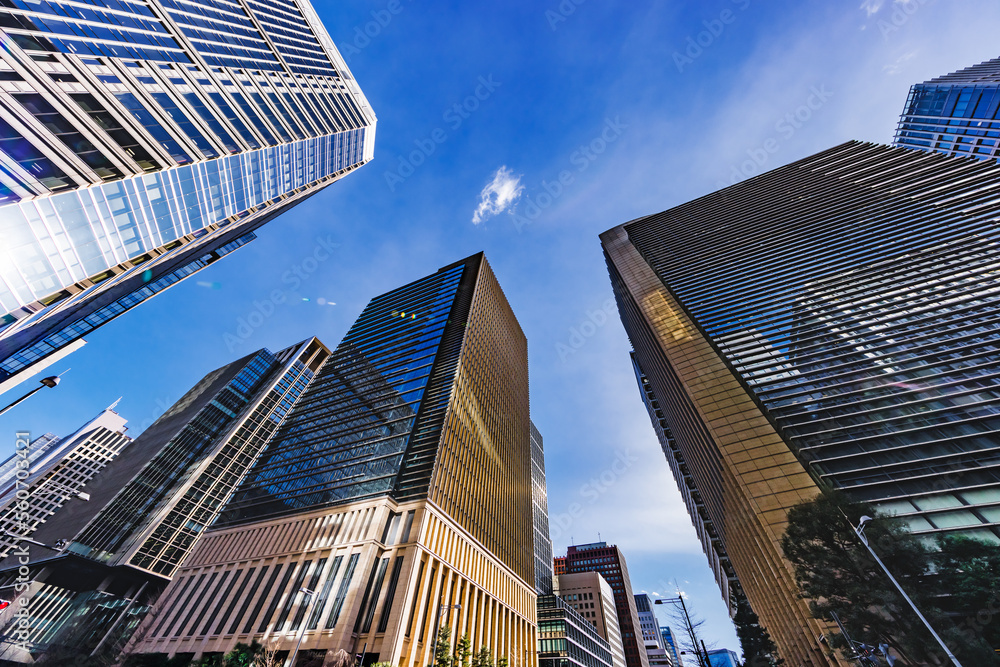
(395, 498)
(709, 537)
(140, 143)
(110, 556)
(955, 114)
(830, 323)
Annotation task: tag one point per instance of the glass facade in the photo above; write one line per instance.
(540, 512)
(566, 639)
(356, 424)
(105, 536)
(90, 319)
(151, 504)
(859, 310)
(154, 521)
(955, 114)
(143, 128)
(671, 646)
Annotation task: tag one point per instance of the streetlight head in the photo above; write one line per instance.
(863, 520)
(50, 381)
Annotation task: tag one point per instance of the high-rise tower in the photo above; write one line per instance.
(45, 474)
(831, 322)
(955, 114)
(98, 566)
(395, 498)
(540, 515)
(609, 561)
(140, 143)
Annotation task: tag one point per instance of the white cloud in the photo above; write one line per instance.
(499, 194)
(871, 6)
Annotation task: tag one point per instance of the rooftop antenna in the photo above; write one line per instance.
(598, 536)
(115, 404)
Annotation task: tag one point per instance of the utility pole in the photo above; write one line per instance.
(860, 530)
(703, 660)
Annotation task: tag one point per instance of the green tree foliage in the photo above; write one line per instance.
(838, 575)
(758, 648)
(442, 648)
(483, 658)
(463, 651)
(502, 661)
(243, 655)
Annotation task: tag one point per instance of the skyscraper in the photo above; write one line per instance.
(146, 510)
(610, 563)
(711, 542)
(830, 323)
(395, 498)
(955, 114)
(54, 471)
(140, 143)
(540, 514)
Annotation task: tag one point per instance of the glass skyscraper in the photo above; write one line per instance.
(143, 140)
(829, 324)
(540, 513)
(58, 471)
(148, 507)
(955, 114)
(395, 497)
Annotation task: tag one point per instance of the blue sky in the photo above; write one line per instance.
(613, 97)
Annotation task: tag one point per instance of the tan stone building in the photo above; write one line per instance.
(590, 594)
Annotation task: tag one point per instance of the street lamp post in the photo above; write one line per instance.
(442, 608)
(703, 660)
(310, 597)
(860, 530)
(51, 381)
